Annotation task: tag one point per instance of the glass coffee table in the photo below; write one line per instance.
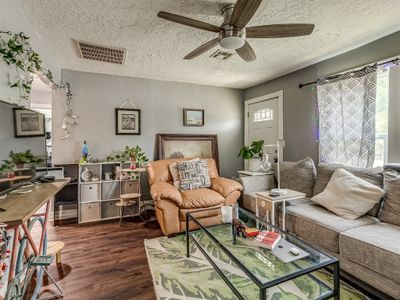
(246, 265)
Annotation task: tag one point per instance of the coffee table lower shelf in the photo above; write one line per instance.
(263, 286)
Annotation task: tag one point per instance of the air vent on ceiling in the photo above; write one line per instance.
(102, 53)
(220, 54)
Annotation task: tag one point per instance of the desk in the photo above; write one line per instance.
(15, 178)
(20, 214)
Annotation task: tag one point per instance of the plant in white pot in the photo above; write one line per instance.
(253, 153)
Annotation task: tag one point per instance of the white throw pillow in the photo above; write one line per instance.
(348, 196)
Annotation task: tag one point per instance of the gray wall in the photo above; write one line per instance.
(300, 128)
(95, 96)
(13, 18)
(9, 142)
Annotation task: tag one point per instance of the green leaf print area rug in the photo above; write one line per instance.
(176, 277)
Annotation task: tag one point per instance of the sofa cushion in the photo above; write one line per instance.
(199, 198)
(325, 172)
(193, 174)
(390, 211)
(376, 247)
(348, 196)
(319, 226)
(298, 176)
(200, 213)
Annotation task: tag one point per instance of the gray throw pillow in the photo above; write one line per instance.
(390, 211)
(298, 176)
(325, 172)
(193, 175)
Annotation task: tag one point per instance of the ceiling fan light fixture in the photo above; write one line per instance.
(232, 42)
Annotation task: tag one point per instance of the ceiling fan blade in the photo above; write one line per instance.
(246, 52)
(279, 30)
(187, 21)
(243, 12)
(203, 48)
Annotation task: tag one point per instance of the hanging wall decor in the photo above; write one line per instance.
(70, 119)
(16, 51)
(28, 123)
(193, 117)
(127, 121)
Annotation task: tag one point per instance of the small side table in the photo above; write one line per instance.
(270, 203)
(244, 173)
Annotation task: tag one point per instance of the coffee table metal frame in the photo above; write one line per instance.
(333, 262)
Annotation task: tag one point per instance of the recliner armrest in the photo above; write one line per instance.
(225, 186)
(164, 190)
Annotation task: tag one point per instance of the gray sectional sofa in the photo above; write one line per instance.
(368, 247)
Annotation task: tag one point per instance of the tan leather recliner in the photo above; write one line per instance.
(171, 204)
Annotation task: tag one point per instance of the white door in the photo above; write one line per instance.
(264, 121)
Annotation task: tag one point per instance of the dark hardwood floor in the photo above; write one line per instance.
(104, 260)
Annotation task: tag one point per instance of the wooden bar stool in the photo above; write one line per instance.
(128, 201)
(54, 248)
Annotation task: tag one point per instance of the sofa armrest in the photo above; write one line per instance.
(252, 184)
(225, 186)
(164, 190)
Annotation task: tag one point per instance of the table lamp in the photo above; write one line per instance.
(278, 191)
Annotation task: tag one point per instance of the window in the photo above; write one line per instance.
(262, 115)
(387, 128)
(381, 117)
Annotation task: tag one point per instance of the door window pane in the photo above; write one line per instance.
(264, 114)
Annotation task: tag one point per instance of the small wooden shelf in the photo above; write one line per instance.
(138, 170)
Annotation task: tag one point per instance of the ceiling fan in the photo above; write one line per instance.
(233, 31)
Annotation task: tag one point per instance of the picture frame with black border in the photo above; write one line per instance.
(127, 121)
(28, 123)
(193, 117)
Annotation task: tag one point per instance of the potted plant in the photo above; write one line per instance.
(253, 153)
(20, 159)
(133, 154)
(7, 168)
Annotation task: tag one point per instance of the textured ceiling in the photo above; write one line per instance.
(156, 47)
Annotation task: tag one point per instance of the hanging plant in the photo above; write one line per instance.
(16, 50)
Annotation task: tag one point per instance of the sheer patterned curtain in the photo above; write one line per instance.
(347, 117)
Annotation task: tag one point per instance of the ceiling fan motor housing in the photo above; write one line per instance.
(230, 37)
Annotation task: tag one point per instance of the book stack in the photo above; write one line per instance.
(268, 239)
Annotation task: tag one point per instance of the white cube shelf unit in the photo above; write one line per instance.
(97, 199)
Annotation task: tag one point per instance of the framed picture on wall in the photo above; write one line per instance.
(193, 117)
(127, 121)
(28, 123)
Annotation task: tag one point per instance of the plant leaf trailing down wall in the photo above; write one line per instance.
(16, 51)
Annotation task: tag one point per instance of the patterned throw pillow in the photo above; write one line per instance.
(175, 174)
(193, 175)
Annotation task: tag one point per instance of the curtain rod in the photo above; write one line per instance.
(394, 61)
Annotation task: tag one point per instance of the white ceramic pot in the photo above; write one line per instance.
(254, 164)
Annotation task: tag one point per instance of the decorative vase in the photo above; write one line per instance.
(19, 166)
(265, 164)
(254, 164)
(10, 174)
